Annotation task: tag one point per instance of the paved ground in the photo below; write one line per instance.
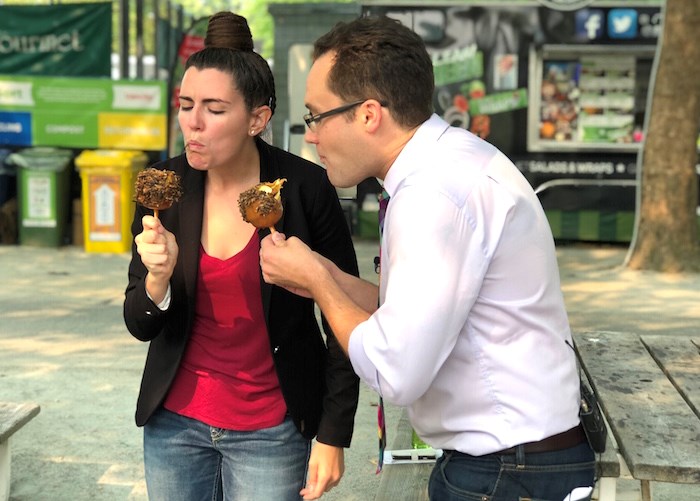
(63, 345)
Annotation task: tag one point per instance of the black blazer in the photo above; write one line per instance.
(318, 383)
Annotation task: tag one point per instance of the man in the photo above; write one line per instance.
(472, 334)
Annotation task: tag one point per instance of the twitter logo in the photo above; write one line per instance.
(622, 23)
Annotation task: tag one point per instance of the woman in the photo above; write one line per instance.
(238, 379)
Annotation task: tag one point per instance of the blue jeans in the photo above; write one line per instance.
(543, 476)
(187, 460)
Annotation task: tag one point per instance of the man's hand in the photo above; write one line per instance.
(326, 468)
(345, 300)
(290, 263)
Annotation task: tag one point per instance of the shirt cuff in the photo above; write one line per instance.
(165, 303)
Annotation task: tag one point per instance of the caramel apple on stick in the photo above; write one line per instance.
(157, 189)
(261, 205)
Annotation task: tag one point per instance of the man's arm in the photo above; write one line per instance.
(345, 300)
(361, 292)
(342, 313)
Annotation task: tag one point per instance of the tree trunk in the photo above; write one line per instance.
(666, 225)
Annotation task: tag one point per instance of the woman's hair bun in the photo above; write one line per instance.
(227, 30)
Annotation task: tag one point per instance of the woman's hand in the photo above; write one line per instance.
(158, 250)
(326, 468)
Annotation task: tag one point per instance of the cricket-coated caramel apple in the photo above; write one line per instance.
(261, 205)
(157, 189)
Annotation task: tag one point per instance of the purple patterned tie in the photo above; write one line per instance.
(383, 203)
(381, 423)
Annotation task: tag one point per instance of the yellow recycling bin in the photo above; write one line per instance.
(108, 178)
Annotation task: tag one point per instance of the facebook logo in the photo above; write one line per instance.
(589, 24)
(622, 23)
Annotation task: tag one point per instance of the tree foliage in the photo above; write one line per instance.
(261, 23)
(666, 232)
(255, 11)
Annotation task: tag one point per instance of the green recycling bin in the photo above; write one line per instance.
(43, 185)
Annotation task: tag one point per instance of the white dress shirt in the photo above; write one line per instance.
(472, 329)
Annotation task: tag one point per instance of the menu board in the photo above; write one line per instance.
(607, 87)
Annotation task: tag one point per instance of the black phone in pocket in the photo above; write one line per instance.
(592, 419)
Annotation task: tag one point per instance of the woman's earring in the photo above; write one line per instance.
(252, 132)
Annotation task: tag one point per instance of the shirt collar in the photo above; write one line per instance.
(405, 164)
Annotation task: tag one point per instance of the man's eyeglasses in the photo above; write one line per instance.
(311, 120)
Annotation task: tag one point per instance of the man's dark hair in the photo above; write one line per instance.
(378, 57)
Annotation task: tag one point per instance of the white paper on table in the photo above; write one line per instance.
(406, 456)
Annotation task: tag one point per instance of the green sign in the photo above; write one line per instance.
(83, 112)
(59, 39)
(457, 64)
(499, 103)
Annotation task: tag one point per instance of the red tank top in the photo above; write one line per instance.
(227, 378)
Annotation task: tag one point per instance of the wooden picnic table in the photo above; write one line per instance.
(649, 389)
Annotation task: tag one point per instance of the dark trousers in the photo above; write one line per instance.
(542, 476)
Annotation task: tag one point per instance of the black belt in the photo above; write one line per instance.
(565, 440)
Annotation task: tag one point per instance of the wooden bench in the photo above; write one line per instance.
(409, 482)
(12, 417)
(405, 482)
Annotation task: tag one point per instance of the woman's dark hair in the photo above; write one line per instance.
(228, 47)
(378, 57)
(227, 30)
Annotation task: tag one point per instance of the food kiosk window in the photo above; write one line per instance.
(588, 97)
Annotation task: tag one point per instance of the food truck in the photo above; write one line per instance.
(560, 86)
